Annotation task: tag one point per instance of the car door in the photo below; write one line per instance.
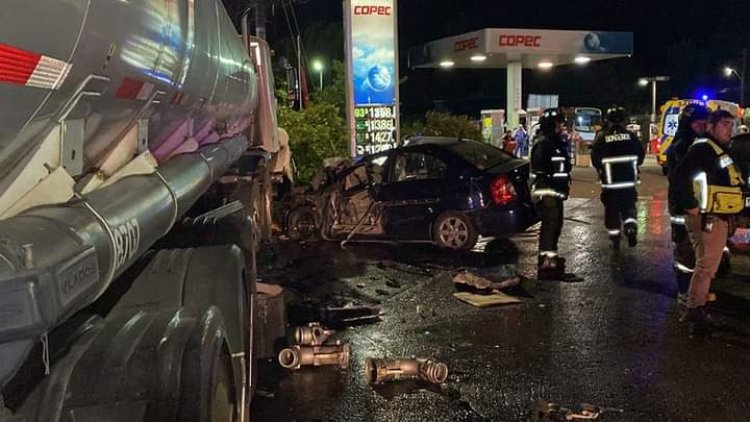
(415, 185)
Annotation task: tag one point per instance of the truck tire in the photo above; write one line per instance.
(207, 393)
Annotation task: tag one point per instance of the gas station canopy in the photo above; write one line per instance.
(516, 49)
(494, 48)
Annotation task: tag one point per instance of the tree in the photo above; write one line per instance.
(315, 133)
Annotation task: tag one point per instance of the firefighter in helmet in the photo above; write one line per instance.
(550, 165)
(616, 154)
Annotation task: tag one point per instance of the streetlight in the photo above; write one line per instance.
(653, 80)
(728, 71)
(318, 67)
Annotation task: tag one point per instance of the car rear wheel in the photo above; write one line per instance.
(454, 230)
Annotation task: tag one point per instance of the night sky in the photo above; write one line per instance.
(689, 40)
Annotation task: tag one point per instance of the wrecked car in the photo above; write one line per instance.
(445, 191)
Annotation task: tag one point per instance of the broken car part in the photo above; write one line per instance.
(382, 370)
(313, 334)
(330, 355)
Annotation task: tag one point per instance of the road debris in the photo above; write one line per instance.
(349, 315)
(470, 281)
(486, 300)
(378, 371)
(544, 411)
(294, 357)
(313, 334)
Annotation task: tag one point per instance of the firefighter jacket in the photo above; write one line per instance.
(707, 178)
(551, 167)
(616, 154)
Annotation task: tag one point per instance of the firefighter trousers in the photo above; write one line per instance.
(619, 209)
(551, 212)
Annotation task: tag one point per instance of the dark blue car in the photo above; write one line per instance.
(446, 191)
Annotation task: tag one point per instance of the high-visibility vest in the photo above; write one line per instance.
(719, 199)
(555, 182)
(620, 172)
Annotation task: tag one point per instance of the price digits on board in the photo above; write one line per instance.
(375, 127)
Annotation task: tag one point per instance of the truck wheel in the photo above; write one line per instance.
(454, 230)
(207, 391)
(302, 224)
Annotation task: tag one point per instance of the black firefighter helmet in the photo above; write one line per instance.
(693, 112)
(550, 117)
(616, 116)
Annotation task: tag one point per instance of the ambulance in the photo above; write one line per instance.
(670, 116)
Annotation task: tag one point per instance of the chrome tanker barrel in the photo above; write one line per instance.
(115, 117)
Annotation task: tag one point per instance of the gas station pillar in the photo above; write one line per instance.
(514, 95)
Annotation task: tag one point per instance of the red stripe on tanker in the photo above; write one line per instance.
(134, 89)
(22, 67)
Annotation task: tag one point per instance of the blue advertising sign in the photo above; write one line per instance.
(373, 74)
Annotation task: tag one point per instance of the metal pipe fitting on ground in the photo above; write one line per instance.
(313, 334)
(382, 370)
(331, 355)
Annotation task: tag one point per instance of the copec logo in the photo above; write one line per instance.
(510, 40)
(373, 10)
(467, 44)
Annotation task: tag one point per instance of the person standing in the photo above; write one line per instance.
(707, 184)
(551, 167)
(616, 154)
(691, 126)
(522, 142)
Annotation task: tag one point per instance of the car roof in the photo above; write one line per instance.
(435, 140)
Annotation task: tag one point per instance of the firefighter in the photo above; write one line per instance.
(707, 185)
(616, 154)
(691, 126)
(551, 167)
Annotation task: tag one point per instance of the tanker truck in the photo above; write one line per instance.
(133, 138)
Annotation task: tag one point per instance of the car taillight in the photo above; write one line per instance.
(502, 190)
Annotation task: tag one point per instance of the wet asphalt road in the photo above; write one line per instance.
(613, 340)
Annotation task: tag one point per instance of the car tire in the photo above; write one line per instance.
(454, 230)
(302, 224)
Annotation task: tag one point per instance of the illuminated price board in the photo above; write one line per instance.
(375, 129)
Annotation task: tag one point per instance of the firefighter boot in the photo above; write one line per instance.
(547, 268)
(561, 274)
(631, 232)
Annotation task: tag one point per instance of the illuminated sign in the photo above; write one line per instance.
(467, 44)
(520, 40)
(372, 73)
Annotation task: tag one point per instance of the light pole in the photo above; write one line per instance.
(318, 67)
(741, 76)
(653, 80)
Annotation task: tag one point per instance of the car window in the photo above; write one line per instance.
(418, 166)
(481, 155)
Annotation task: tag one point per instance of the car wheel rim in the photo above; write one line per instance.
(453, 233)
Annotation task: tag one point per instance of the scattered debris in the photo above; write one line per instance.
(485, 301)
(464, 280)
(382, 292)
(543, 411)
(378, 371)
(393, 283)
(349, 315)
(330, 355)
(313, 334)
